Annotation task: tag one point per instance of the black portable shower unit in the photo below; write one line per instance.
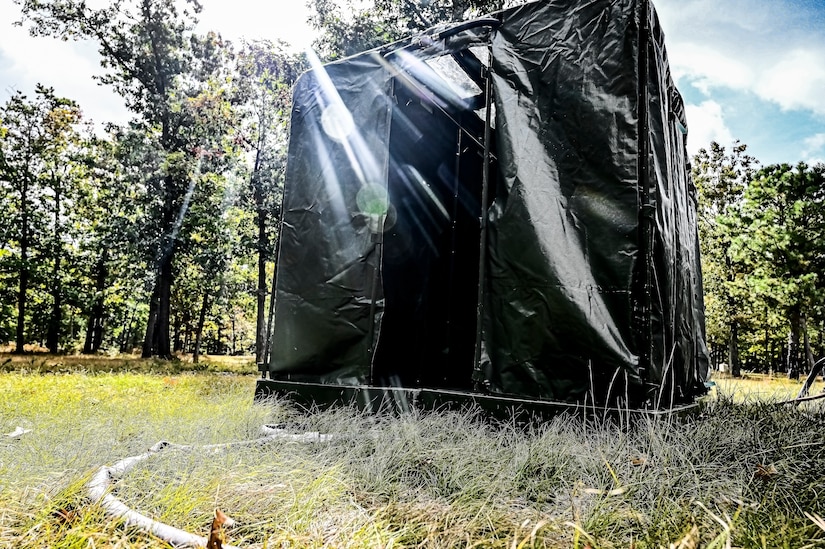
(498, 211)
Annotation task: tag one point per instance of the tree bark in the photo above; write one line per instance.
(23, 287)
(94, 327)
(260, 210)
(126, 336)
(260, 321)
(233, 335)
(87, 341)
(164, 347)
(157, 341)
(177, 344)
(793, 362)
(734, 365)
(809, 355)
(187, 335)
(271, 320)
(151, 323)
(55, 319)
(199, 329)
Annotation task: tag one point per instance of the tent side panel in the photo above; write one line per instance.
(327, 311)
(564, 228)
(679, 361)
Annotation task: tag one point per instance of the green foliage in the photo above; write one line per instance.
(37, 170)
(176, 187)
(178, 211)
(783, 217)
(178, 150)
(265, 78)
(350, 27)
(782, 241)
(721, 180)
(761, 234)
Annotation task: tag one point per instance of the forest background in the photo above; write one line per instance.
(159, 236)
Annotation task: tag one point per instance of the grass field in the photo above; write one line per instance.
(741, 473)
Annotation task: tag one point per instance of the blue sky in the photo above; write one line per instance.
(752, 70)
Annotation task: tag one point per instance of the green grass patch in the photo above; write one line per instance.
(41, 362)
(752, 387)
(742, 472)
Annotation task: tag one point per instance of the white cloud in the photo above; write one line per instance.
(244, 18)
(66, 66)
(814, 151)
(775, 50)
(70, 66)
(795, 81)
(706, 68)
(707, 123)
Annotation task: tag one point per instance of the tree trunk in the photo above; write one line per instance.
(23, 287)
(97, 333)
(157, 341)
(794, 362)
(187, 335)
(177, 343)
(809, 355)
(260, 321)
(55, 319)
(260, 211)
(94, 327)
(151, 323)
(734, 365)
(199, 329)
(271, 320)
(87, 341)
(234, 336)
(126, 335)
(164, 343)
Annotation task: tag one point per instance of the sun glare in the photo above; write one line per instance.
(338, 123)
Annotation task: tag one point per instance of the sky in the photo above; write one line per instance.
(749, 70)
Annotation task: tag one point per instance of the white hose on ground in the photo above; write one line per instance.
(99, 487)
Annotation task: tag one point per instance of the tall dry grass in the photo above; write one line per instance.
(732, 475)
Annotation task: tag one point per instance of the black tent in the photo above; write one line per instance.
(498, 210)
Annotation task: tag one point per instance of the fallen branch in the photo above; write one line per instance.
(99, 487)
(803, 399)
(817, 368)
(19, 432)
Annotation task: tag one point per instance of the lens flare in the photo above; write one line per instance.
(374, 203)
(337, 122)
(373, 200)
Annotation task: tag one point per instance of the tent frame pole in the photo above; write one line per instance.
(378, 241)
(647, 208)
(478, 374)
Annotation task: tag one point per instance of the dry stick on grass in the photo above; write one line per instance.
(804, 399)
(817, 368)
(216, 533)
(99, 487)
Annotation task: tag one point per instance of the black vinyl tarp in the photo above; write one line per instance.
(501, 207)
